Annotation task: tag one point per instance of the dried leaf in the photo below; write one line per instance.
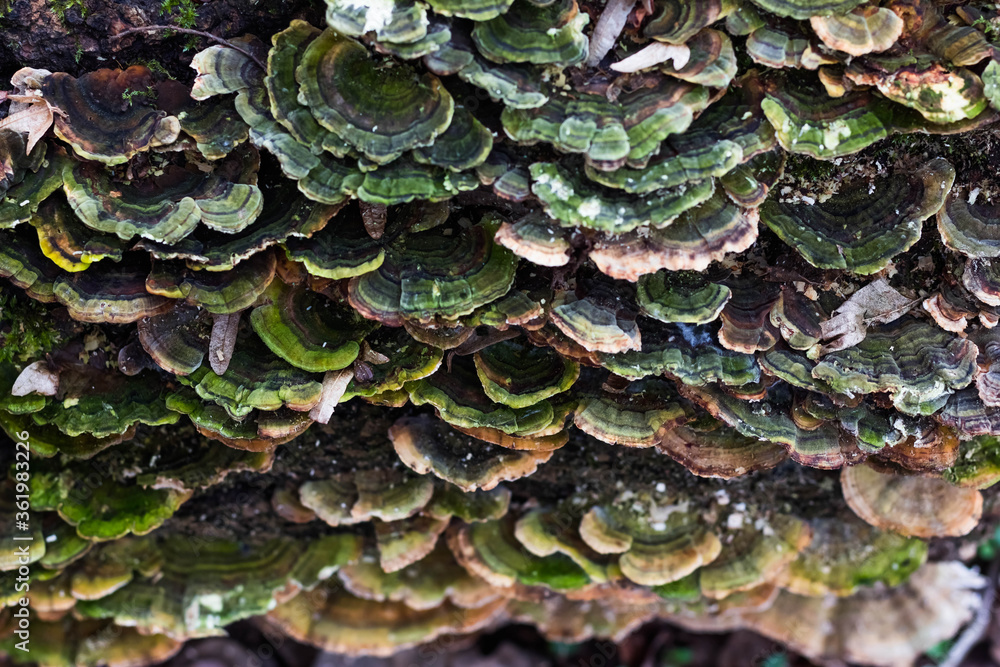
(36, 378)
(874, 303)
(334, 385)
(223, 341)
(34, 120)
(653, 55)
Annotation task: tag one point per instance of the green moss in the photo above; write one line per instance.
(26, 331)
(61, 7)
(184, 13)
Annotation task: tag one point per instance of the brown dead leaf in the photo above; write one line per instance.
(34, 119)
(874, 303)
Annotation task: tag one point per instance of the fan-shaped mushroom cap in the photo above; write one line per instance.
(746, 325)
(105, 403)
(283, 59)
(825, 129)
(336, 77)
(846, 554)
(978, 463)
(403, 542)
(101, 120)
(562, 620)
(393, 21)
(938, 93)
(709, 448)
(111, 510)
(681, 297)
(699, 236)
(258, 431)
(881, 225)
(537, 238)
(218, 292)
(195, 592)
(464, 145)
(476, 10)
(402, 360)
(388, 495)
(822, 446)
(532, 33)
(677, 22)
(164, 209)
(971, 229)
(749, 184)
(308, 330)
(687, 352)
(911, 505)
(863, 30)
(490, 551)
(712, 60)
(982, 278)
(176, 340)
(659, 540)
(518, 374)
(426, 584)
(426, 445)
(67, 242)
(754, 556)
(576, 202)
(803, 9)
(216, 128)
(285, 215)
(334, 620)
(798, 319)
(783, 45)
(918, 364)
(223, 70)
(637, 416)
(440, 272)
(116, 294)
(518, 86)
(256, 379)
(460, 400)
(23, 198)
(874, 626)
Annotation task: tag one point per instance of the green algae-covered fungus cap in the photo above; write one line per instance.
(804, 9)
(808, 121)
(918, 363)
(382, 112)
(166, 208)
(308, 330)
(334, 620)
(442, 272)
(683, 296)
(518, 374)
(970, 228)
(426, 444)
(531, 32)
(859, 230)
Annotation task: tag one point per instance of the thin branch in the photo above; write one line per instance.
(980, 622)
(198, 33)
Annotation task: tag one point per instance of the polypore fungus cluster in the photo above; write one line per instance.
(449, 313)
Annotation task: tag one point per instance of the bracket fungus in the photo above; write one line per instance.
(861, 229)
(444, 314)
(99, 118)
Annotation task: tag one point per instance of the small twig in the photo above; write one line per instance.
(198, 33)
(980, 622)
